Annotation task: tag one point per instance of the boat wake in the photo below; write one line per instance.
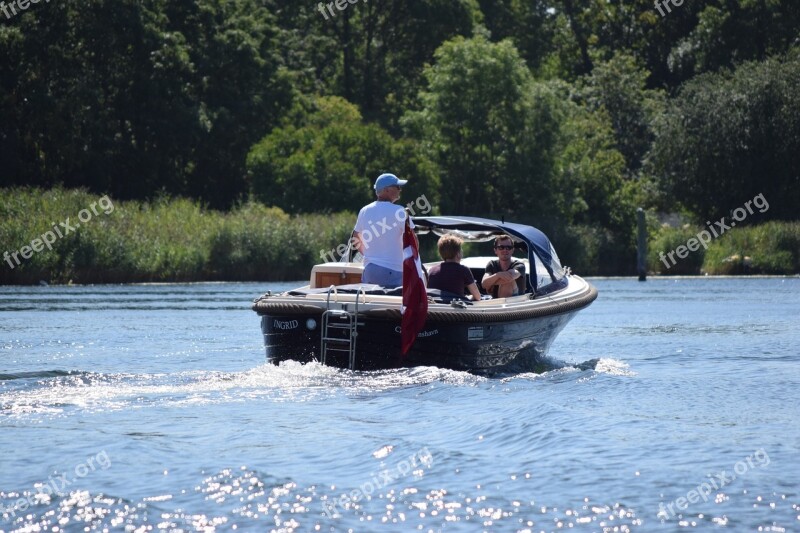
(614, 367)
(601, 365)
(550, 368)
(59, 392)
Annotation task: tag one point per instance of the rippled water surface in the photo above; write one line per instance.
(152, 408)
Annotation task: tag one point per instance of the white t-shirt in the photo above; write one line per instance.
(381, 225)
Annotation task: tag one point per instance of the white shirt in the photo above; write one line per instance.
(381, 225)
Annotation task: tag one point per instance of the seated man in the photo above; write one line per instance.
(505, 276)
(450, 275)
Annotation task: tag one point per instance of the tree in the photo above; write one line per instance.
(730, 136)
(239, 89)
(371, 54)
(324, 158)
(596, 203)
(490, 129)
(733, 31)
(529, 24)
(590, 169)
(618, 86)
(133, 97)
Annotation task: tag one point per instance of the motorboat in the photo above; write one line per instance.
(338, 321)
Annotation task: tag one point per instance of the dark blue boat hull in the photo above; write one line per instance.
(496, 347)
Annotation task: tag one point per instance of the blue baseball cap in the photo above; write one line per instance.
(387, 180)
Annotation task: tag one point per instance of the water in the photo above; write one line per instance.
(151, 408)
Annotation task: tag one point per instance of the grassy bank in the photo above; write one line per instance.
(99, 240)
(169, 240)
(770, 248)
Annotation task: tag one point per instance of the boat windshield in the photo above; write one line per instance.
(546, 275)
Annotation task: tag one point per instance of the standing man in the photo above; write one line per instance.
(378, 234)
(505, 276)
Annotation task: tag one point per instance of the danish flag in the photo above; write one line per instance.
(415, 297)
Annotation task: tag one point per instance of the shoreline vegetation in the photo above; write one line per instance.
(179, 240)
(167, 240)
(193, 117)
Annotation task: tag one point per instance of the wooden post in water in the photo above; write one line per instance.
(641, 245)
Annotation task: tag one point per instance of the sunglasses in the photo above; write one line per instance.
(503, 247)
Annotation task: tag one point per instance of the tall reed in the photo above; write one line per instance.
(163, 240)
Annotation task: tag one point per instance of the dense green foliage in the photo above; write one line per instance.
(133, 98)
(490, 129)
(567, 114)
(730, 136)
(330, 155)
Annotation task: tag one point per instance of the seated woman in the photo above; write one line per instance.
(450, 275)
